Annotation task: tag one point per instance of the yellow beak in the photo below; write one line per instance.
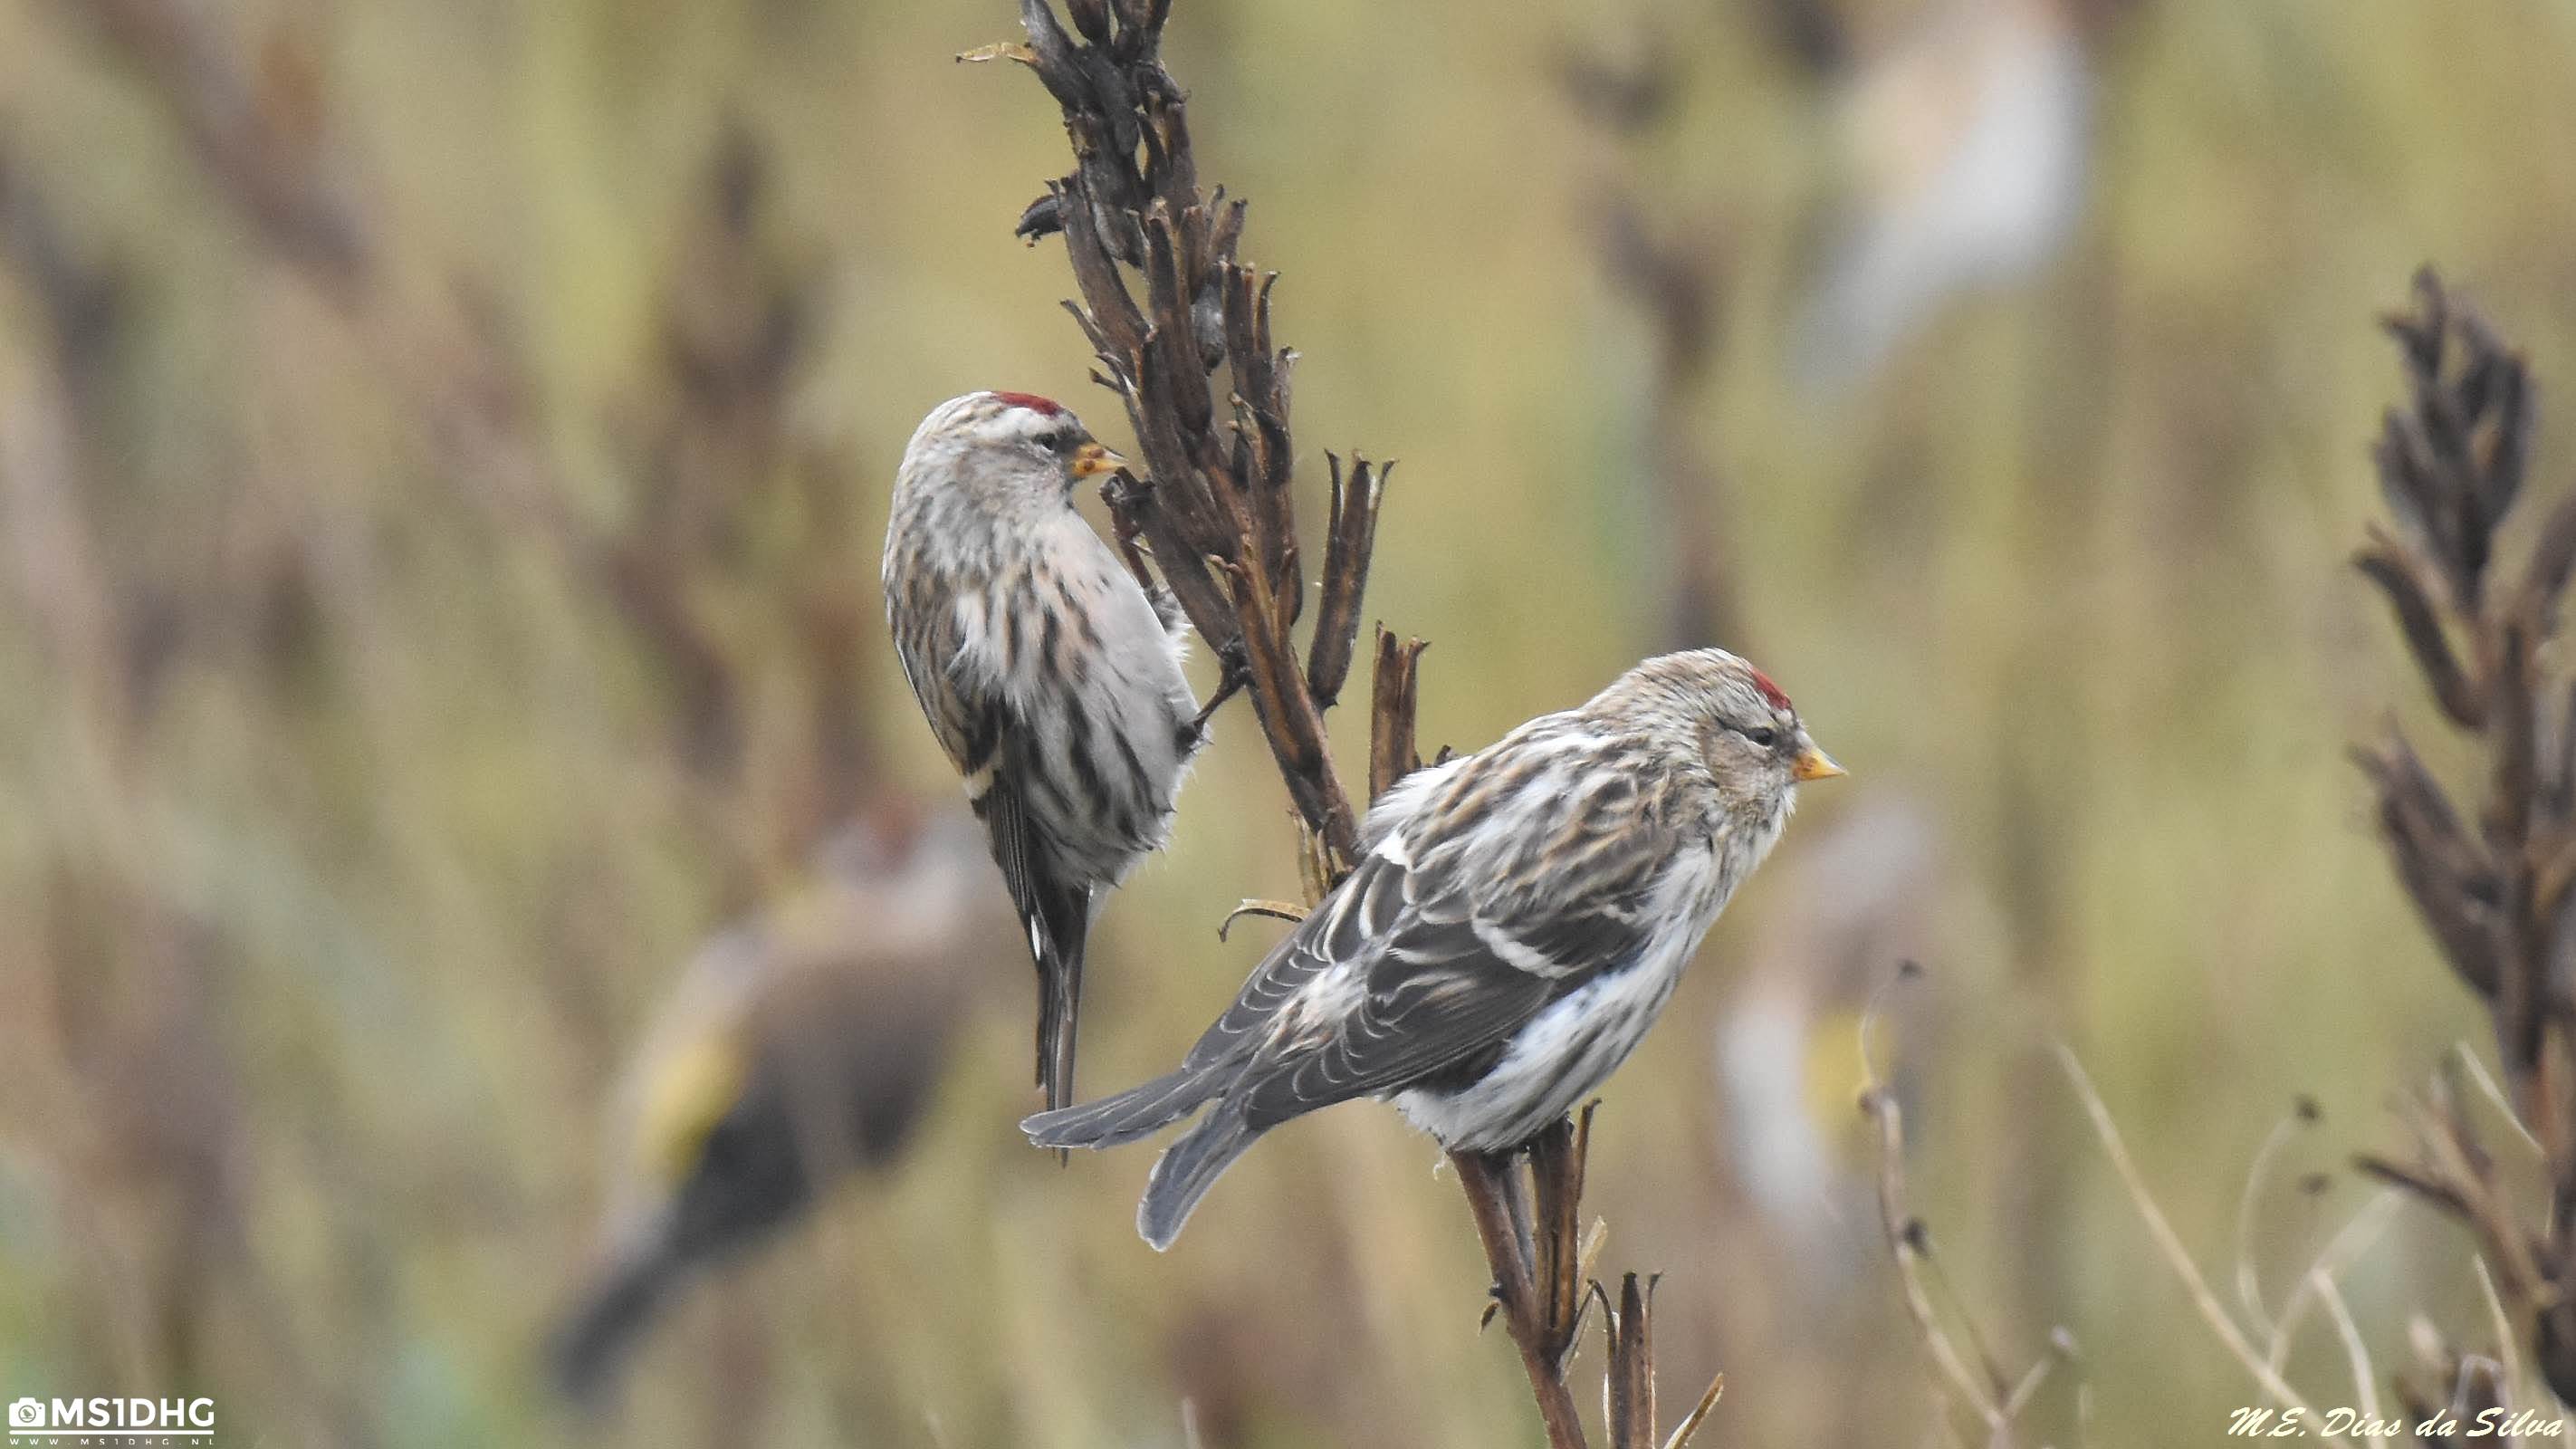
(1815, 764)
(1092, 458)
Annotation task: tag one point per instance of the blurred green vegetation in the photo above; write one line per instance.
(358, 798)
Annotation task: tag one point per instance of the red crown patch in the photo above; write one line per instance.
(1770, 691)
(1044, 405)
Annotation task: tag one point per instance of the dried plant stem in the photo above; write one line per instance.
(1983, 1389)
(2249, 1282)
(2492, 877)
(2365, 1381)
(1181, 329)
(1494, 1195)
(1673, 279)
(2348, 1243)
(733, 325)
(2176, 1256)
(1905, 1242)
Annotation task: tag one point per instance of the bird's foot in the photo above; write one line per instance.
(1228, 685)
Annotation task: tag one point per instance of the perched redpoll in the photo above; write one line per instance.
(1517, 922)
(1052, 680)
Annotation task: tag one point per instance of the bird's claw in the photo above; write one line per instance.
(1123, 491)
(1228, 685)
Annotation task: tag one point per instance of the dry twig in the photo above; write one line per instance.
(1984, 1389)
(2176, 1256)
(1217, 520)
(1182, 331)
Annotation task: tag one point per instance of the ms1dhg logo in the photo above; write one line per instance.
(120, 1422)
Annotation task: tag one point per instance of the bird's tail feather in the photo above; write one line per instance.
(1059, 1009)
(1131, 1114)
(1188, 1169)
(586, 1352)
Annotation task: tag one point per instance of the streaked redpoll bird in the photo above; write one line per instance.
(1053, 682)
(1516, 923)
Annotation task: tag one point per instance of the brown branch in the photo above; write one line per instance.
(1528, 1209)
(1218, 518)
(1556, 1163)
(1350, 539)
(1628, 1396)
(1182, 330)
(1629, 1404)
(1392, 752)
(1498, 1197)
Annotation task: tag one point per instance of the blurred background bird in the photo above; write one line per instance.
(798, 1048)
(1965, 142)
(1872, 890)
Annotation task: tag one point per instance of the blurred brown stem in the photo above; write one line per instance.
(251, 108)
(1673, 280)
(2491, 882)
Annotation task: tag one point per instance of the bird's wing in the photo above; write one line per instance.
(931, 643)
(1457, 932)
(1365, 907)
(991, 744)
(1434, 997)
(987, 739)
(1055, 909)
(1054, 905)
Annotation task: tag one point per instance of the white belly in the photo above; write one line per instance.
(1561, 1057)
(1569, 1049)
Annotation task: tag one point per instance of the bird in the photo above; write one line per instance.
(1051, 677)
(1517, 920)
(798, 1050)
(1876, 890)
(1969, 141)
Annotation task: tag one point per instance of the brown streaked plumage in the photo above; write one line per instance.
(1517, 922)
(1050, 678)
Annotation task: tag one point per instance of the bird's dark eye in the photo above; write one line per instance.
(1051, 441)
(1764, 735)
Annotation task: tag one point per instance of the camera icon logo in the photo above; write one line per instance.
(27, 1413)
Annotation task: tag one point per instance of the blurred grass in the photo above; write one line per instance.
(398, 840)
